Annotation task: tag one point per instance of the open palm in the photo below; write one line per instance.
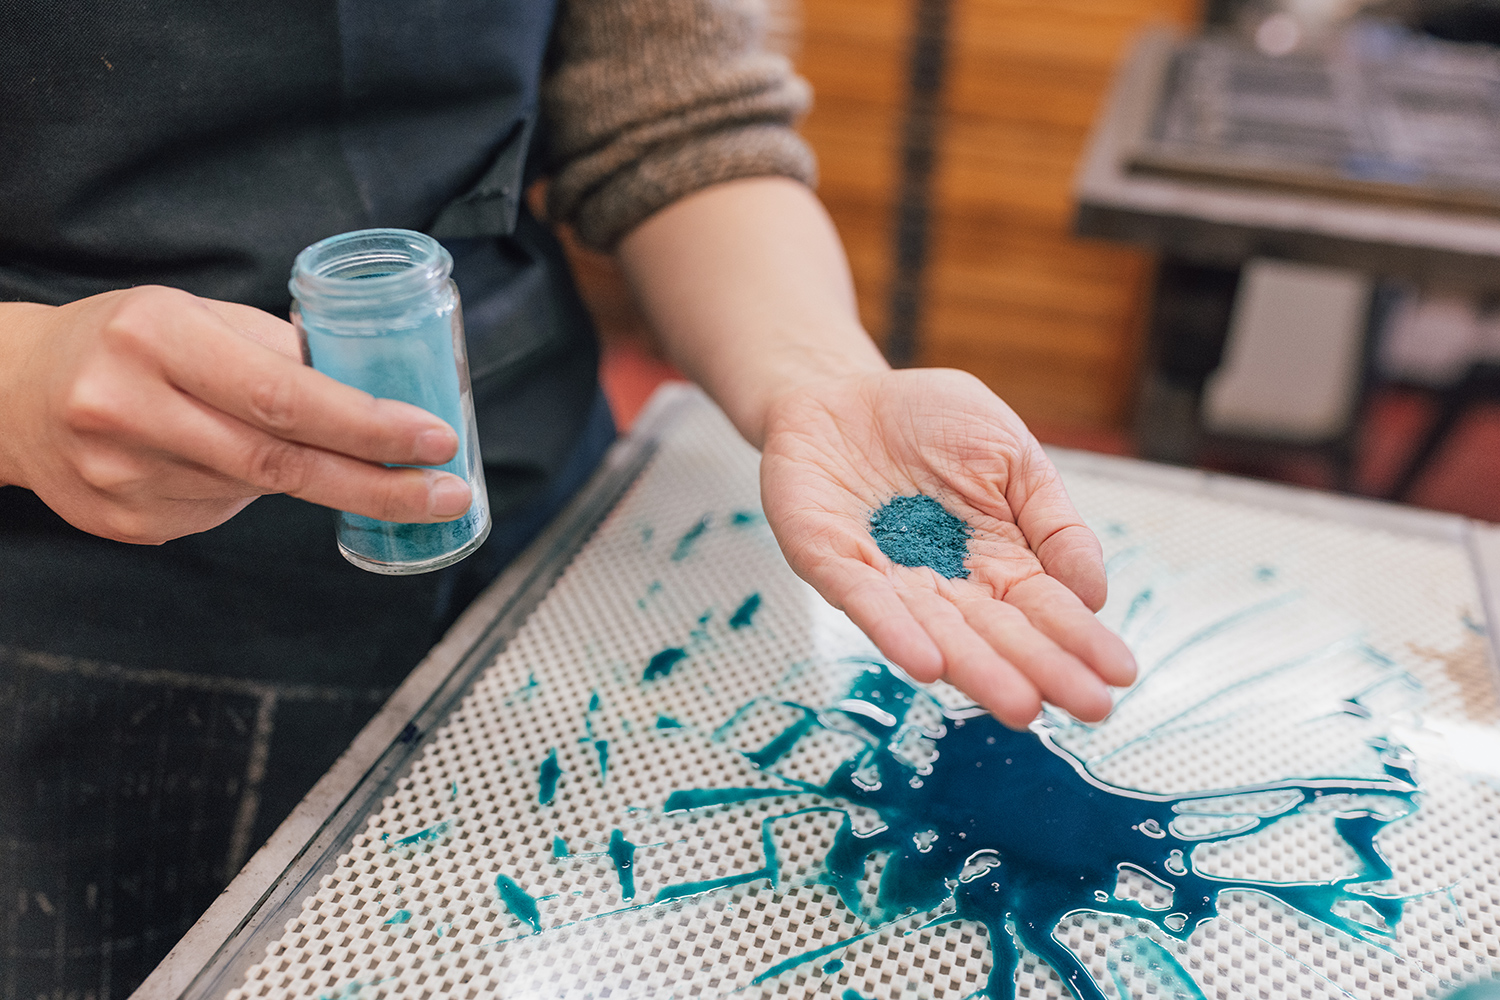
(1019, 628)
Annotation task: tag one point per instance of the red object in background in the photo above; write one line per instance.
(630, 375)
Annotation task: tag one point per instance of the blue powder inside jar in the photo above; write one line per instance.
(918, 531)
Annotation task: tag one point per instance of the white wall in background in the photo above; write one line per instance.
(1291, 364)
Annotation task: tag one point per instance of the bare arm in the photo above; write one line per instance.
(747, 285)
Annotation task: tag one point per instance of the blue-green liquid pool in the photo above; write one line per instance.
(1011, 831)
(415, 363)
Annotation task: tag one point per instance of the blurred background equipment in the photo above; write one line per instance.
(1291, 196)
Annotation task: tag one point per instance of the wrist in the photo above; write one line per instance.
(19, 326)
(801, 370)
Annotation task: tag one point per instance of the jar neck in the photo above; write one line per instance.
(370, 268)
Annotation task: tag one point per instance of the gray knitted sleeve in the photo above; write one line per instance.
(651, 100)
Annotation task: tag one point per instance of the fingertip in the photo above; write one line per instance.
(1092, 703)
(436, 446)
(1075, 559)
(448, 497)
(1017, 712)
(1116, 664)
(916, 654)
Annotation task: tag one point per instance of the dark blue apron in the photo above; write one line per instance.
(201, 146)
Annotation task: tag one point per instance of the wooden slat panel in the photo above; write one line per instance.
(1050, 322)
(853, 52)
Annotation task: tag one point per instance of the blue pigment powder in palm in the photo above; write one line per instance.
(918, 531)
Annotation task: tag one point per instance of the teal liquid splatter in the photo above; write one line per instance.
(547, 777)
(1053, 842)
(667, 722)
(745, 518)
(593, 701)
(601, 747)
(453, 792)
(768, 871)
(706, 798)
(519, 902)
(685, 543)
(1477, 991)
(918, 531)
(525, 691)
(662, 663)
(399, 917)
(651, 591)
(1165, 977)
(744, 615)
(781, 744)
(427, 835)
(622, 853)
(559, 848)
(829, 968)
(853, 994)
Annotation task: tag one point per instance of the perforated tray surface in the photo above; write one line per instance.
(1343, 671)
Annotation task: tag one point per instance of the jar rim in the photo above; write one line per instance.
(384, 265)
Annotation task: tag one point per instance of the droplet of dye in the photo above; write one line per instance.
(519, 902)
(744, 615)
(662, 663)
(685, 543)
(548, 775)
(622, 853)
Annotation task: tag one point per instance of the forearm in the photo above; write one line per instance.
(747, 286)
(18, 326)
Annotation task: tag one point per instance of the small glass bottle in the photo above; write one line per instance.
(376, 309)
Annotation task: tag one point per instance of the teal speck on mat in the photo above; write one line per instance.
(519, 902)
(829, 968)
(601, 747)
(421, 836)
(548, 774)
(853, 994)
(745, 614)
(560, 848)
(685, 543)
(745, 518)
(667, 722)
(593, 701)
(918, 531)
(622, 853)
(399, 917)
(662, 663)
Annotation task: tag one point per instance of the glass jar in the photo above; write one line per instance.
(376, 309)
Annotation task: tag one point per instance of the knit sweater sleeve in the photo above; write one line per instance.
(651, 100)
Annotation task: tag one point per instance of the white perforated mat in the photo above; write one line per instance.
(1273, 646)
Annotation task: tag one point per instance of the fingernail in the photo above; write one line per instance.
(436, 446)
(448, 497)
